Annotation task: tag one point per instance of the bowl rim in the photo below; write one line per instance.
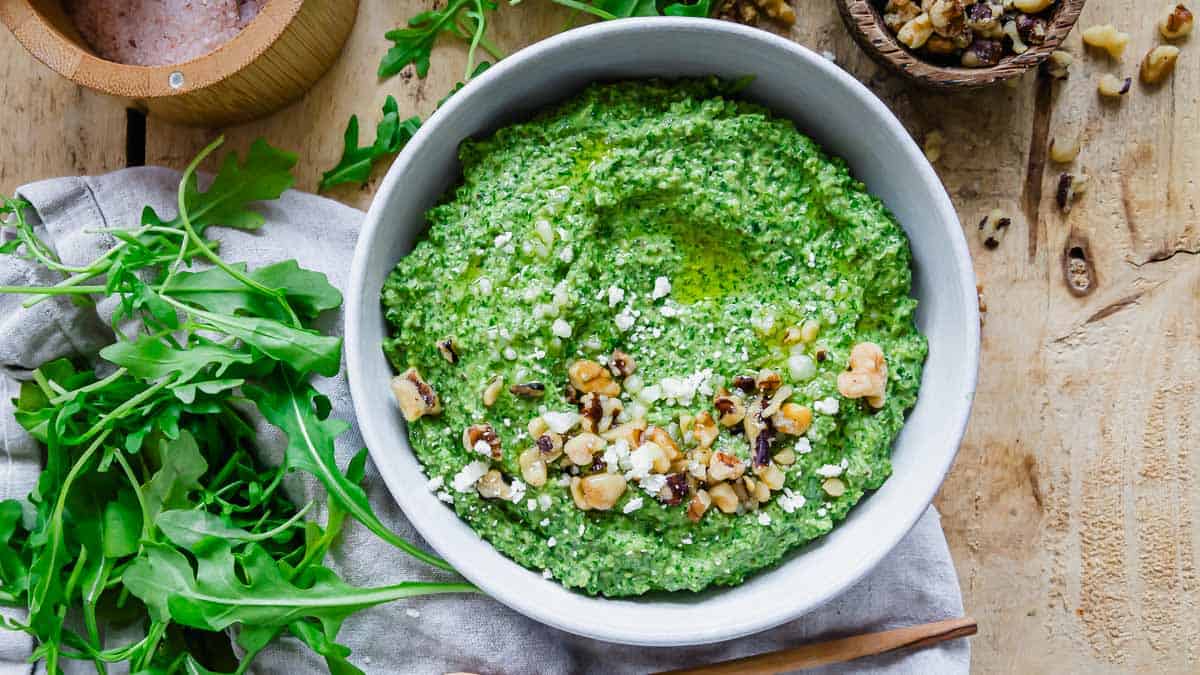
(543, 610)
(63, 55)
(884, 47)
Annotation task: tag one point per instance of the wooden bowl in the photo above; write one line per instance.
(865, 22)
(266, 66)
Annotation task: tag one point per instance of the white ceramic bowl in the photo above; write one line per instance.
(839, 113)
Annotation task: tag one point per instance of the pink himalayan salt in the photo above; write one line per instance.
(159, 32)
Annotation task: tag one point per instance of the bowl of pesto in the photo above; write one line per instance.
(662, 345)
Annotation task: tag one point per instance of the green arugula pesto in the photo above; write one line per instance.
(732, 261)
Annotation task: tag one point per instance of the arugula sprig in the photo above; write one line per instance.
(153, 508)
(390, 135)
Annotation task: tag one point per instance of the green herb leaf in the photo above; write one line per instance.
(391, 135)
(699, 9)
(265, 174)
(152, 358)
(414, 44)
(249, 589)
(182, 466)
(293, 405)
(309, 293)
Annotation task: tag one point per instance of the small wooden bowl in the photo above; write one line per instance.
(865, 22)
(266, 66)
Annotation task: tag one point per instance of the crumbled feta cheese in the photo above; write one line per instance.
(763, 518)
(464, 481)
(763, 323)
(640, 462)
(560, 422)
(502, 239)
(830, 470)
(561, 328)
(545, 522)
(510, 353)
(615, 296)
(435, 483)
(625, 320)
(582, 529)
(827, 406)
(662, 288)
(564, 481)
(567, 254)
(531, 504)
(551, 542)
(446, 497)
(668, 311)
(633, 505)
(653, 484)
(650, 394)
(801, 367)
(822, 512)
(803, 445)
(517, 491)
(545, 502)
(790, 501)
(544, 231)
(485, 285)
(481, 446)
(686, 540)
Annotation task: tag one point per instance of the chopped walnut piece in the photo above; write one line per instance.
(533, 466)
(1176, 22)
(1107, 38)
(581, 448)
(1159, 63)
(1070, 187)
(600, 491)
(492, 486)
(492, 391)
(660, 437)
(724, 466)
(528, 389)
(1031, 6)
(792, 419)
(934, 142)
(621, 364)
(1112, 86)
(414, 396)
(834, 487)
(1014, 37)
(982, 53)
(724, 497)
(1058, 65)
(448, 348)
(1032, 29)
(730, 408)
(914, 33)
(590, 377)
(768, 380)
(1063, 150)
(598, 412)
(704, 430)
(867, 376)
(698, 505)
(992, 229)
(481, 437)
(630, 432)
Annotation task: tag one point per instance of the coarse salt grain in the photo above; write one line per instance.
(159, 32)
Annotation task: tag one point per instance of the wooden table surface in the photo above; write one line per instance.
(1070, 509)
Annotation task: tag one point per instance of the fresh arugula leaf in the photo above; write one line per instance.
(188, 528)
(151, 358)
(264, 174)
(390, 135)
(466, 19)
(293, 406)
(182, 465)
(309, 293)
(249, 589)
(627, 8)
(334, 653)
(699, 8)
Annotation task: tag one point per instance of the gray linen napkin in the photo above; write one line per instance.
(915, 584)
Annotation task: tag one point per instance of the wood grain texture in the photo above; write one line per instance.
(865, 23)
(269, 64)
(51, 127)
(1071, 509)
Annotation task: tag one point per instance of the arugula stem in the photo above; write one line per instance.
(125, 407)
(137, 493)
(584, 7)
(208, 252)
(98, 384)
(52, 290)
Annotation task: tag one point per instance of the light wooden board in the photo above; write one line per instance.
(1070, 509)
(48, 126)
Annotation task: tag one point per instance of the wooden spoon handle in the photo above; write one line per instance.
(838, 651)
